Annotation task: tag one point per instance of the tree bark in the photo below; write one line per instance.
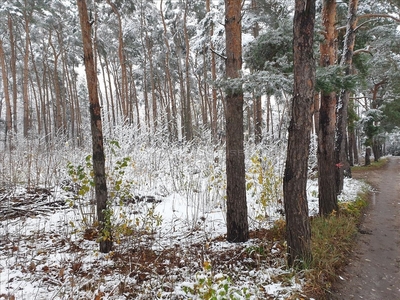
(174, 125)
(5, 89)
(342, 160)
(214, 107)
(257, 98)
(25, 81)
(96, 129)
(295, 177)
(188, 110)
(13, 66)
(327, 118)
(237, 223)
(121, 56)
(58, 114)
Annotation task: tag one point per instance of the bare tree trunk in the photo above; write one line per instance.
(5, 89)
(327, 122)
(237, 222)
(174, 124)
(135, 97)
(182, 91)
(41, 122)
(13, 64)
(97, 131)
(57, 91)
(27, 17)
(341, 134)
(44, 105)
(295, 179)
(149, 46)
(257, 99)
(112, 102)
(103, 73)
(188, 111)
(121, 56)
(214, 107)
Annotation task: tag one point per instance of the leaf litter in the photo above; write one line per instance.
(169, 244)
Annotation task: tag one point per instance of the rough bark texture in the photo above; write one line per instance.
(295, 179)
(327, 117)
(237, 223)
(341, 134)
(96, 126)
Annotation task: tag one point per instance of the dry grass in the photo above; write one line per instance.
(333, 240)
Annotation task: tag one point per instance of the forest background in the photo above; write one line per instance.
(162, 89)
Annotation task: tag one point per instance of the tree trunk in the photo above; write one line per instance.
(57, 91)
(97, 131)
(121, 56)
(342, 119)
(5, 89)
(237, 223)
(27, 17)
(149, 46)
(40, 120)
(327, 122)
(103, 73)
(188, 111)
(257, 99)
(368, 156)
(114, 120)
(13, 64)
(214, 107)
(174, 124)
(295, 178)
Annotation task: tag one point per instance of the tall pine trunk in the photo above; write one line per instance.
(97, 131)
(298, 229)
(237, 223)
(327, 117)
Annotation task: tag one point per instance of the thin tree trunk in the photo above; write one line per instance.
(103, 73)
(341, 134)
(13, 64)
(112, 102)
(174, 124)
(97, 131)
(41, 122)
(5, 90)
(27, 17)
(188, 111)
(214, 109)
(237, 222)
(257, 99)
(121, 56)
(149, 46)
(57, 91)
(295, 179)
(135, 97)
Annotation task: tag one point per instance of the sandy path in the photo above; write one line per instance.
(374, 271)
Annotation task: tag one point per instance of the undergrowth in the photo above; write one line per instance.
(373, 166)
(333, 239)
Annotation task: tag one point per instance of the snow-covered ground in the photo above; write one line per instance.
(169, 223)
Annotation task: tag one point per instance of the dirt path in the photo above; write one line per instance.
(374, 271)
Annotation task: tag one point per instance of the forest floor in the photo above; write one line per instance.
(374, 268)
